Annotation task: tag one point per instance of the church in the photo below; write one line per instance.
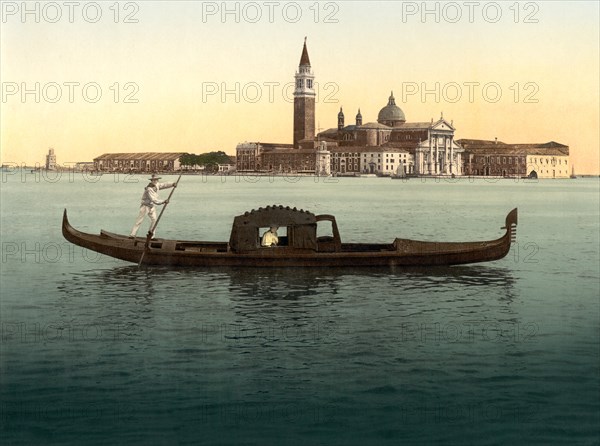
(390, 146)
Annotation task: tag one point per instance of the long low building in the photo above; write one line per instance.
(139, 162)
(495, 158)
(273, 157)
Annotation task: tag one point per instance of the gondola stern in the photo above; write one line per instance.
(69, 232)
(512, 218)
(66, 226)
(511, 225)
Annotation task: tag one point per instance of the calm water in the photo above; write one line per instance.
(96, 351)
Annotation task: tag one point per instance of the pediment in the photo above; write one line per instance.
(442, 124)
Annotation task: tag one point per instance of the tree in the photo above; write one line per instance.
(209, 160)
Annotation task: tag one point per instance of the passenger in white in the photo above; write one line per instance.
(270, 237)
(149, 201)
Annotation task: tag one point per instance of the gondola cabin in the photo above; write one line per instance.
(297, 231)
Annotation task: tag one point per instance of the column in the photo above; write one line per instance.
(444, 167)
(446, 154)
(437, 157)
(451, 154)
(430, 170)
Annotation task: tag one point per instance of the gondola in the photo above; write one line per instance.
(298, 247)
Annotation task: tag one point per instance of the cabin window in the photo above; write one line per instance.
(324, 229)
(282, 236)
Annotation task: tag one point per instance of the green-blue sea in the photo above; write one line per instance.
(96, 351)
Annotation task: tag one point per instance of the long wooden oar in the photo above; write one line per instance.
(153, 228)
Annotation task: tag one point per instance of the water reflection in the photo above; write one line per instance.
(130, 293)
(141, 284)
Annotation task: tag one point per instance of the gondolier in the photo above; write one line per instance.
(150, 199)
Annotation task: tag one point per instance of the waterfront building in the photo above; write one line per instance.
(355, 160)
(84, 166)
(225, 168)
(139, 162)
(51, 160)
(277, 158)
(496, 158)
(392, 146)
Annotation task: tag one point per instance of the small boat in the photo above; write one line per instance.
(299, 247)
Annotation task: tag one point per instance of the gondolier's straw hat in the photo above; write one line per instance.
(154, 177)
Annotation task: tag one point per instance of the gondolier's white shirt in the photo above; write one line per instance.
(150, 196)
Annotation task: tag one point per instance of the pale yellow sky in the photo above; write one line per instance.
(524, 73)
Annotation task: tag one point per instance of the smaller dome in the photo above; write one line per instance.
(391, 113)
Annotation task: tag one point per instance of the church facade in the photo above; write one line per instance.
(392, 146)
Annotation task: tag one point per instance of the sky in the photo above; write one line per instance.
(88, 78)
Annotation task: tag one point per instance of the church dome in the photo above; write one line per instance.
(391, 114)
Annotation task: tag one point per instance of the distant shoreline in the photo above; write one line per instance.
(34, 170)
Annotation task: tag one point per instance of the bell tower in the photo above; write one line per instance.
(304, 101)
(340, 119)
